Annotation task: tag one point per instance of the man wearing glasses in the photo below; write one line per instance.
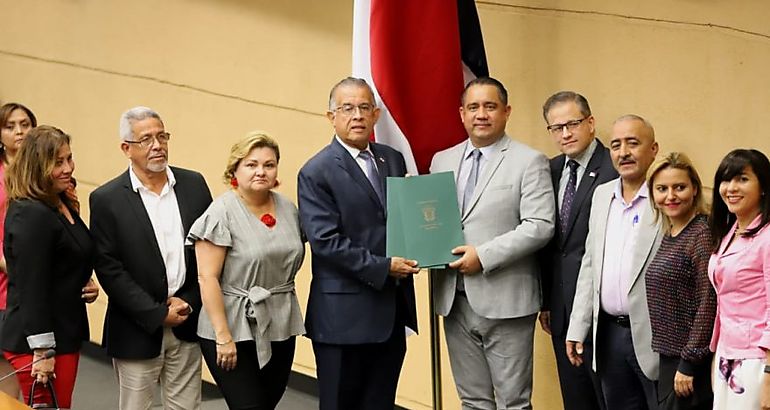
(583, 165)
(139, 221)
(360, 300)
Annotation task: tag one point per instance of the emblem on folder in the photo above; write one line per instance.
(429, 213)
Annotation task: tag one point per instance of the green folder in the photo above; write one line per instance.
(423, 219)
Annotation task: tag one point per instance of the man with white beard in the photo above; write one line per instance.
(139, 222)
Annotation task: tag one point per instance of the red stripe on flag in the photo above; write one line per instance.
(417, 70)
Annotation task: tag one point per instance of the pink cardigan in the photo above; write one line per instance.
(741, 277)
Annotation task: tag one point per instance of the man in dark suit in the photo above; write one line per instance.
(584, 164)
(139, 221)
(360, 301)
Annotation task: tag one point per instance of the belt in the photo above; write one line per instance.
(622, 320)
(257, 310)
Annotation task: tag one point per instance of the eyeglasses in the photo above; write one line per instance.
(349, 109)
(147, 141)
(570, 125)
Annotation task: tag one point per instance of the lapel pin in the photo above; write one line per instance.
(592, 174)
(381, 160)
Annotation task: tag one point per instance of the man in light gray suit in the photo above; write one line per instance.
(490, 296)
(623, 237)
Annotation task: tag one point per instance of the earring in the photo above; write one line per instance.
(234, 182)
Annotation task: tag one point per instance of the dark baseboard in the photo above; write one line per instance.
(209, 391)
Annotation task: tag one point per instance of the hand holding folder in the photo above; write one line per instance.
(423, 219)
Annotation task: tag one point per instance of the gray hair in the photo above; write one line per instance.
(350, 81)
(634, 117)
(132, 115)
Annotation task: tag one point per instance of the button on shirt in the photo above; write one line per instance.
(582, 161)
(166, 221)
(467, 163)
(620, 242)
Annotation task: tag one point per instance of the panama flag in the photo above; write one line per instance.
(418, 56)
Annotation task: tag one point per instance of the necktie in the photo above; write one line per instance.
(569, 196)
(372, 175)
(473, 177)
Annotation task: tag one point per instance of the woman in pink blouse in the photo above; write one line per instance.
(739, 269)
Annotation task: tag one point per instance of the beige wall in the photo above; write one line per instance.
(217, 69)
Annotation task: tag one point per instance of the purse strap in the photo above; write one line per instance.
(54, 402)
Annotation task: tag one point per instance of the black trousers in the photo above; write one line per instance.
(247, 387)
(624, 385)
(580, 386)
(702, 397)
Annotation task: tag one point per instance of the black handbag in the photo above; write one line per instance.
(54, 403)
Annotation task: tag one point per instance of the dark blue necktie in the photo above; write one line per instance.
(372, 175)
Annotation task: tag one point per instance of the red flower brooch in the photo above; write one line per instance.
(268, 220)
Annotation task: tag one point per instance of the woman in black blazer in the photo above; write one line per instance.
(49, 254)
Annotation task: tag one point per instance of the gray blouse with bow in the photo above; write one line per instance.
(257, 278)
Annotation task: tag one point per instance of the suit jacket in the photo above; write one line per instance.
(560, 260)
(352, 297)
(130, 267)
(585, 310)
(510, 217)
(49, 262)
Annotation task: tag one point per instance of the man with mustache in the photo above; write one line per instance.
(610, 295)
(139, 222)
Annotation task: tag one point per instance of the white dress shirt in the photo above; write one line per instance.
(166, 221)
(354, 153)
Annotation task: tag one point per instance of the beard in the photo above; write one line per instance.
(157, 166)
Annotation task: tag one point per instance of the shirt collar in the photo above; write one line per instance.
(486, 152)
(641, 193)
(584, 158)
(136, 183)
(353, 150)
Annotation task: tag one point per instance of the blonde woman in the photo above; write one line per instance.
(681, 301)
(249, 249)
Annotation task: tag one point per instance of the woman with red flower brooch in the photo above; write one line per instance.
(249, 249)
